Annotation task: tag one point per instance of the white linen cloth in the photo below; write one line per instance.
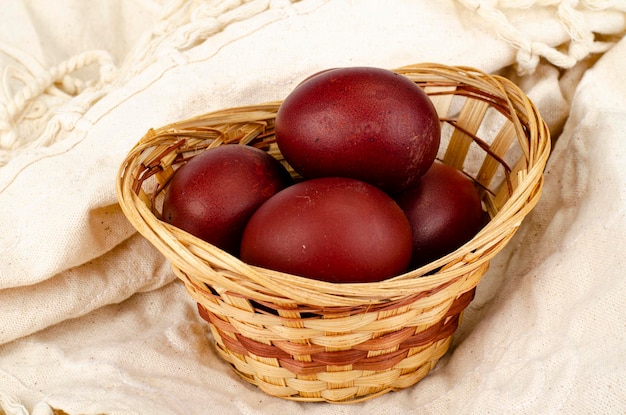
(93, 321)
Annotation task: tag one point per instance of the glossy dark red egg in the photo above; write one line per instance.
(366, 123)
(331, 229)
(445, 211)
(214, 194)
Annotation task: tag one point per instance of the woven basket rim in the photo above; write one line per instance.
(181, 247)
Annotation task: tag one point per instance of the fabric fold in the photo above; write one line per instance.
(92, 319)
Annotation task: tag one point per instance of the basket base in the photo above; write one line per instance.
(339, 376)
(341, 395)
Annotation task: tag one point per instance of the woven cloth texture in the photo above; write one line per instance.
(92, 318)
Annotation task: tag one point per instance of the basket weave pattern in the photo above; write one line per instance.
(309, 340)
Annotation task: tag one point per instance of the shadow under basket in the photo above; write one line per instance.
(309, 340)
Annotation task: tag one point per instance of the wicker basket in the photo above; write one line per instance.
(308, 340)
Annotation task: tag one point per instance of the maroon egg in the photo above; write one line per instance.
(214, 194)
(331, 229)
(445, 211)
(366, 123)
